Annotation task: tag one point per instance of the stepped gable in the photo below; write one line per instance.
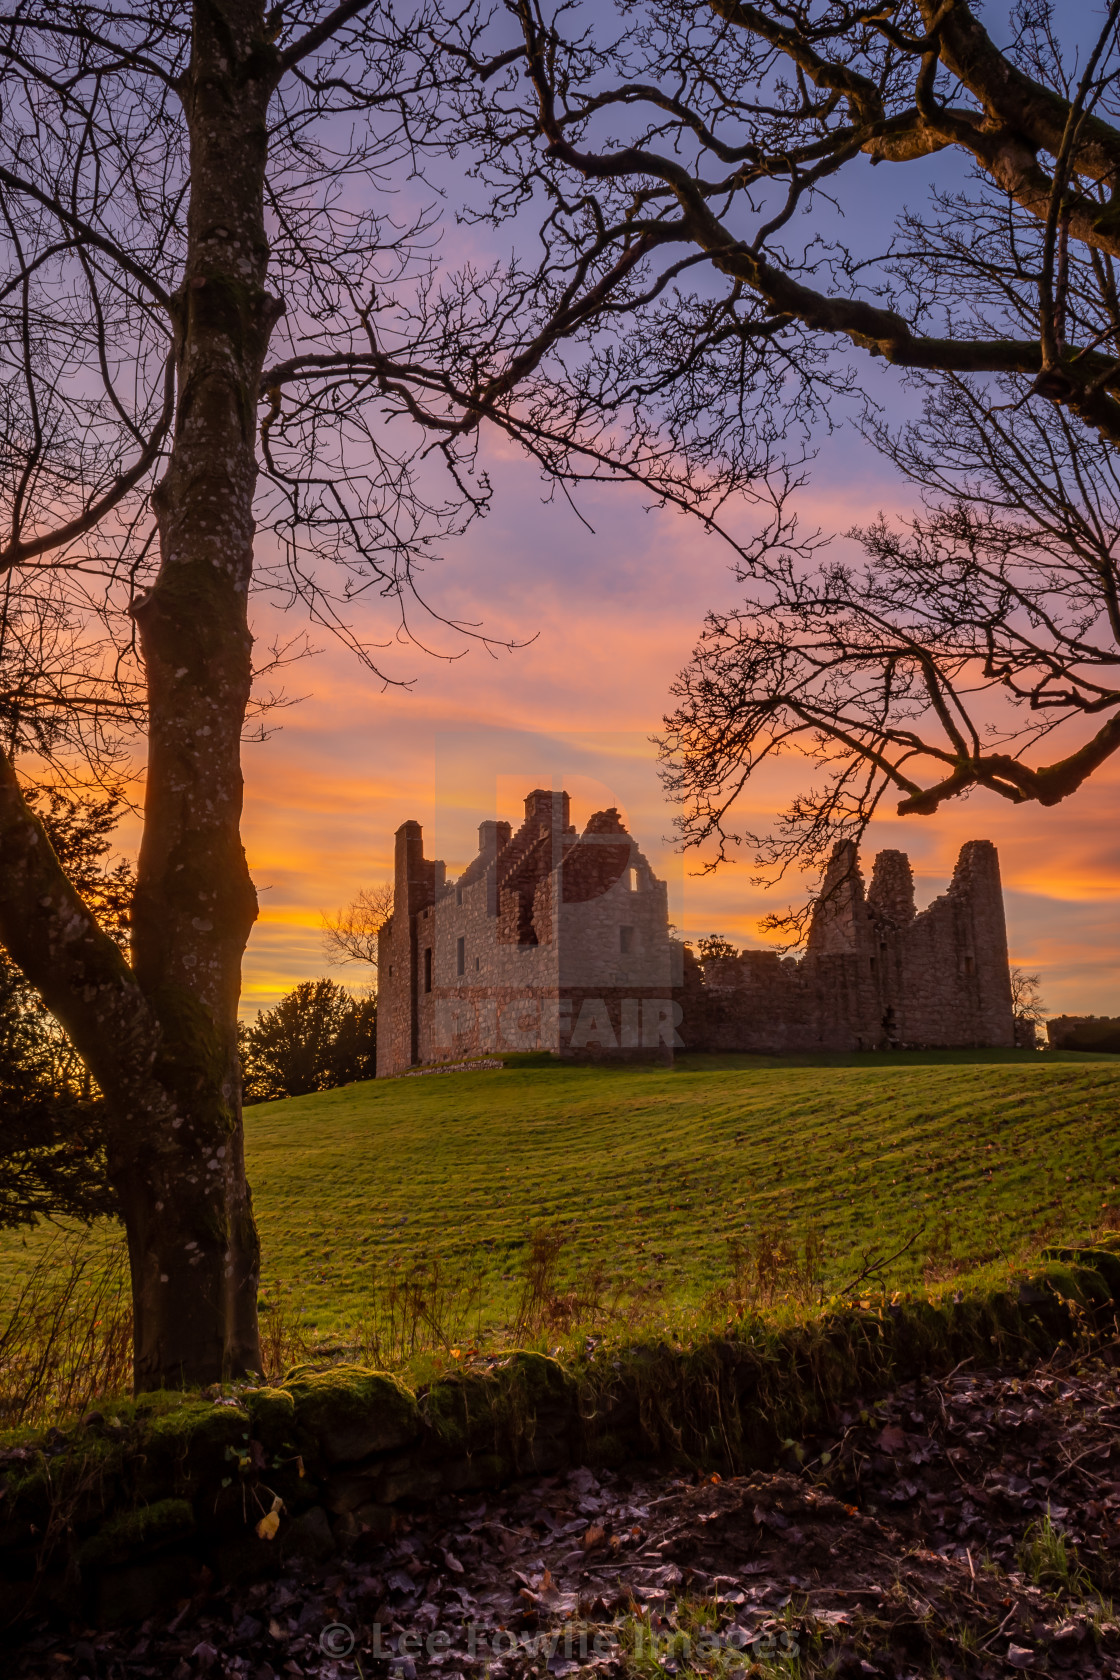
(527, 859)
(597, 860)
(493, 837)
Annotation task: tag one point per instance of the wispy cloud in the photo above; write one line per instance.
(614, 612)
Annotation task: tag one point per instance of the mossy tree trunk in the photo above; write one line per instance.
(192, 1239)
(161, 1035)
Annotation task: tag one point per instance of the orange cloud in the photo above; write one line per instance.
(615, 614)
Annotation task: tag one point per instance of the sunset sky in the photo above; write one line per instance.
(614, 613)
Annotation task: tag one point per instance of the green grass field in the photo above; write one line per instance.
(975, 1159)
(654, 1172)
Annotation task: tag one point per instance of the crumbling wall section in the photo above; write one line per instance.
(876, 974)
(955, 979)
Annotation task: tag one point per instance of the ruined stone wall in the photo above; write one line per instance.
(550, 940)
(414, 886)
(876, 974)
(553, 940)
(617, 978)
(597, 980)
(500, 1001)
(394, 1015)
(775, 1005)
(955, 976)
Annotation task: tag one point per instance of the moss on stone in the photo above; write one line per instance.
(193, 1446)
(272, 1414)
(1080, 1284)
(126, 1536)
(348, 1413)
(1105, 1262)
(505, 1409)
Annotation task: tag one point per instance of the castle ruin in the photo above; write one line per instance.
(557, 940)
(877, 973)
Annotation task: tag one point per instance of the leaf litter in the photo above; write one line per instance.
(968, 1526)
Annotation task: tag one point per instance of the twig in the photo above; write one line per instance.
(876, 1262)
(1010, 1614)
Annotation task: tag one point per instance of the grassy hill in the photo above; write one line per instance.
(656, 1187)
(654, 1172)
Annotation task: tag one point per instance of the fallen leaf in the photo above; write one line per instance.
(270, 1522)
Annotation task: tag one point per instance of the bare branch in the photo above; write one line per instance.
(351, 934)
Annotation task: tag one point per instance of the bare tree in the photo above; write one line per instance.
(351, 934)
(705, 138)
(1026, 997)
(1028, 1008)
(718, 126)
(961, 645)
(217, 316)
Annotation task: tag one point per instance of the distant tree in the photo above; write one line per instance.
(52, 1159)
(317, 1036)
(351, 934)
(52, 1156)
(1026, 999)
(1086, 1032)
(1028, 1009)
(354, 1054)
(715, 948)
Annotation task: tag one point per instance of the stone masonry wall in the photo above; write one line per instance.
(550, 940)
(876, 973)
(556, 940)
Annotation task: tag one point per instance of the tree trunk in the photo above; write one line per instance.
(161, 1036)
(192, 1240)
